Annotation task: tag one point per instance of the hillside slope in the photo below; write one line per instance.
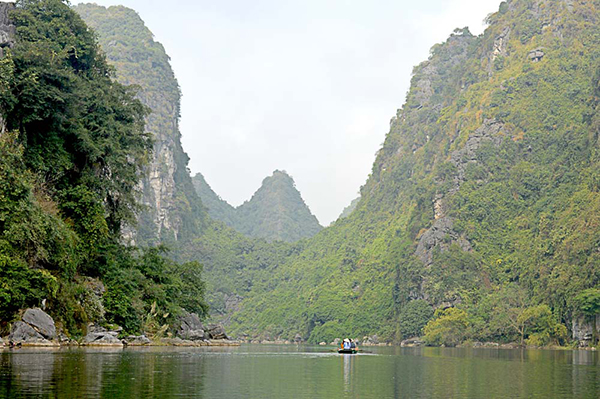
(485, 195)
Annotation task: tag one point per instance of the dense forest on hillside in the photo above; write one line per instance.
(276, 212)
(481, 217)
(72, 152)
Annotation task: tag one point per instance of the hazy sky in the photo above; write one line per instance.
(307, 86)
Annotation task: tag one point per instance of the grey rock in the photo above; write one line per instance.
(41, 322)
(7, 28)
(63, 339)
(370, 340)
(536, 55)
(412, 342)
(190, 327)
(298, 338)
(137, 340)
(442, 235)
(216, 331)
(486, 133)
(500, 48)
(98, 335)
(23, 333)
(582, 329)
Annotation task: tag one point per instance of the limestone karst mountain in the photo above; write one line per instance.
(485, 189)
(173, 211)
(485, 195)
(275, 212)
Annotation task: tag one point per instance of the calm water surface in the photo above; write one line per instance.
(255, 371)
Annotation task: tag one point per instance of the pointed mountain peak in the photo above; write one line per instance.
(276, 211)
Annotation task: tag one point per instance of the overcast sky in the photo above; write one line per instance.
(307, 86)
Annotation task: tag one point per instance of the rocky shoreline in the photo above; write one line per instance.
(37, 329)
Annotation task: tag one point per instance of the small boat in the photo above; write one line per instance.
(348, 351)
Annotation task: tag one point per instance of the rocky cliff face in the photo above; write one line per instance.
(7, 34)
(171, 207)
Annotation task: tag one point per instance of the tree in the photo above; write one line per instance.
(449, 328)
(539, 325)
(413, 318)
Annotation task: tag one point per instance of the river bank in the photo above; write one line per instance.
(37, 329)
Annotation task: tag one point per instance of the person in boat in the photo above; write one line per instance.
(346, 344)
(352, 344)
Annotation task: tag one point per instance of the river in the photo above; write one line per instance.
(270, 371)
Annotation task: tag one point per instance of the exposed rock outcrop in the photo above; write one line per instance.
(582, 329)
(36, 329)
(487, 133)
(441, 235)
(137, 340)
(100, 336)
(7, 28)
(536, 55)
(41, 322)
(216, 331)
(191, 328)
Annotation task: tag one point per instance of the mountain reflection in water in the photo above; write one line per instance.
(255, 371)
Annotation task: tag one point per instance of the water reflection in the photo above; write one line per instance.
(298, 372)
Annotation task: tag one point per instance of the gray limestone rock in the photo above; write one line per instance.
(137, 340)
(216, 331)
(23, 333)
(488, 132)
(7, 28)
(582, 329)
(98, 335)
(190, 327)
(41, 322)
(412, 342)
(536, 55)
(441, 234)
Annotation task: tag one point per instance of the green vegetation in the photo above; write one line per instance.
(276, 211)
(450, 328)
(484, 200)
(73, 153)
(484, 197)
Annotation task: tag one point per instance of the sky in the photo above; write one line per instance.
(305, 86)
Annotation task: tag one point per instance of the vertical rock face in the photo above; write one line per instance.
(171, 205)
(7, 35)
(583, 330)
(7, 28)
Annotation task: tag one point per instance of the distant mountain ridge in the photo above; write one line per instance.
(276, 212)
